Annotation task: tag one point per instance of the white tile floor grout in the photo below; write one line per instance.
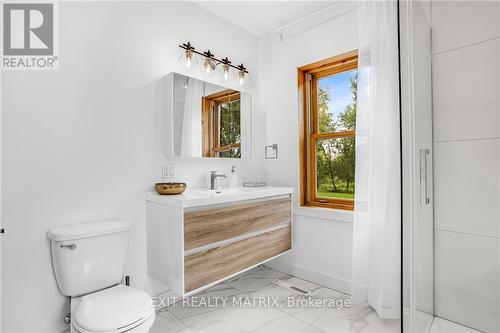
(285, 310)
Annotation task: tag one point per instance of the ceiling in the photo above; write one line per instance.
(261, 17)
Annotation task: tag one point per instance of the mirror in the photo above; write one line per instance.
(206, 120)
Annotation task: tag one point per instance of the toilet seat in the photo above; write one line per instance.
(116, 309)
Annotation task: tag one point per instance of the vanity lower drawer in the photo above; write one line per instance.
(214, 264)
(212, 225)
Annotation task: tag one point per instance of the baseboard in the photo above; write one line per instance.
(165, 299)
(332, 282)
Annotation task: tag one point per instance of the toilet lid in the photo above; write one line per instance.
(113, 309)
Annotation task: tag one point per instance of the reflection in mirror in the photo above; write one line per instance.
(221, 124)
(206, 119)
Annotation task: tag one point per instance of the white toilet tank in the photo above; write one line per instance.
(90, 256)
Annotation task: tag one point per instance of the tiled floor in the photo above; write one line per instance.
(277, 315)
(422, 323)
(440, 325)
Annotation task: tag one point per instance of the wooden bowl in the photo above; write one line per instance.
(170, 188)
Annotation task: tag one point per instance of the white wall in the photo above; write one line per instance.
(466, 102)
(86, 142)
(323, 238)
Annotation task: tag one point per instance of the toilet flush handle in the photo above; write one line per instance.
(69, 246)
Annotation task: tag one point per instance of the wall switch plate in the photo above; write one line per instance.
(167, 172)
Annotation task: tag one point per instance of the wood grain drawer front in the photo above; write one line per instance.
(209, 266)
(213, 225)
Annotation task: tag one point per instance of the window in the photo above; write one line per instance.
(221, 124)
(328, 91)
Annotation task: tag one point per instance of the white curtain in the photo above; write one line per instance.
(191, 121)
(377, 214)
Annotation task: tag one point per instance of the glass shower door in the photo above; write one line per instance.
(417, 153)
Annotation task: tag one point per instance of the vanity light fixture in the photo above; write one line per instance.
(225, 67)
(189, 53)
(210, 62)
(242, 72)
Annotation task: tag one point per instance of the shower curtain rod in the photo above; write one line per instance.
(319, 11)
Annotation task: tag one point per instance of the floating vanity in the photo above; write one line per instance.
(203, 237)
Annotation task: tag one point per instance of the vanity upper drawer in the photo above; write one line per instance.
(214, 264)
(213, 225)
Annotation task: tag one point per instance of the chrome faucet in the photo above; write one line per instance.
(213, 175)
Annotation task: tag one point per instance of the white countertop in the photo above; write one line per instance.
(203, 197)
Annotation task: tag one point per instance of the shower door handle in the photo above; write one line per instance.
(424, 190)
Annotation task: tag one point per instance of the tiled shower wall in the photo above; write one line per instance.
(466, 93)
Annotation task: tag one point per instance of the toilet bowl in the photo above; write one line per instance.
(89, 262)
(116, 309)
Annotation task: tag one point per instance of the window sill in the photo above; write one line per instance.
(325, 213)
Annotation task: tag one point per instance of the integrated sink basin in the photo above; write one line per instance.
(201, 196)
(225, 191)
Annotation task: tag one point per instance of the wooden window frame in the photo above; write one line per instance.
(309, 133)
(210, 122)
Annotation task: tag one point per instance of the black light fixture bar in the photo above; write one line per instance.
(188, 47)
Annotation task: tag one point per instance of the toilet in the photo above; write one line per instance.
(89, 262)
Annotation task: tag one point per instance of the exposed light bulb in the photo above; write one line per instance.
(189, 57)
(209, 66)
(209, 62)
(242, 78)
(226, 71)
(241, 73)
